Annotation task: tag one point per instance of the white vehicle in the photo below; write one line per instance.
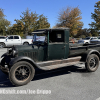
(96, 41)
(87, 40)
(2, 37)
(14, 40)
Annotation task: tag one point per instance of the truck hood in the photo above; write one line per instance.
(2, 40)
(25, 47)
(32, 51)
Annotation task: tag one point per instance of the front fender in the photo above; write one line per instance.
(5, 54)
(22, 58)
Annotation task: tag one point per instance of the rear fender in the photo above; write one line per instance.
(89, 52)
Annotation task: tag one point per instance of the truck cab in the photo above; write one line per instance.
(54, 46)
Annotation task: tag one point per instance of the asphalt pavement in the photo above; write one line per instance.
(70, 83)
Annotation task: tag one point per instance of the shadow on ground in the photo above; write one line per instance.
(61, 71)
(5, 83)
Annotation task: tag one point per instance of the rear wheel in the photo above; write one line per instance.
(21, 73)
(26, 43)
(2, 45)
(92, 63)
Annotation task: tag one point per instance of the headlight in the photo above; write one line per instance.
(12, 51)
(9, 50)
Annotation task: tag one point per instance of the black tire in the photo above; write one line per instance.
(92, 63)
(21, 73)
(2, 45)
(2, 64)
(26, 43)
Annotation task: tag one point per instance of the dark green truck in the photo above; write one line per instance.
(21, 62)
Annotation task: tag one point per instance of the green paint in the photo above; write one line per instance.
(51, 51)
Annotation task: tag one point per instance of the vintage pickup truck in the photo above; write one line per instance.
(21, 62)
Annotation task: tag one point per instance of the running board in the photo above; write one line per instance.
(49, 65)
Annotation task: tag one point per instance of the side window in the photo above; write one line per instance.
(10, 37)
(56, 36)
(16, 37)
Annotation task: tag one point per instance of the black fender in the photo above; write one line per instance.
(89, 52)
(23, 58)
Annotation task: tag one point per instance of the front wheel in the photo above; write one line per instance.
(92, 63)
(21, 73)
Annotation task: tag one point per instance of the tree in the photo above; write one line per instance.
(31, 21)
(18, 28)
(42, 22)
(82, 33)
(70, 18)
(4, 23)
(95, 26)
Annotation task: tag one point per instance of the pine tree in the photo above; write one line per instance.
(95, 26)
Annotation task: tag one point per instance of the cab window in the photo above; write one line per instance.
(56, 36)
(10, 37)
(16, 37)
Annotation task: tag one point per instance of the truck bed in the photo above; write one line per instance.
(79, 49)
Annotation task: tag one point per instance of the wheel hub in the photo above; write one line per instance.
(22, 73)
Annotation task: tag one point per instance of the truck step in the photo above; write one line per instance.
(49, 65)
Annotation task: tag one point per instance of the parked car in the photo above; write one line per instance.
(14, 40)
(21, 62)
(87, 40)
(96, 41)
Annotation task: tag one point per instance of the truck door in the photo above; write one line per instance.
(17, 40)
(9, 40)
(57, 45)
(56, 51)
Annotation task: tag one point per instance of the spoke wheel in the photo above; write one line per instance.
(92, 63)
(21, 73)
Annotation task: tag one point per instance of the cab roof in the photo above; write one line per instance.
(48, 29)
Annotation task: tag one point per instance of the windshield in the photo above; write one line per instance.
(39, 37)
(94, 38)
(98, 37)
(87, 38)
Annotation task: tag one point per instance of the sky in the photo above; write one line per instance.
(49, 8)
